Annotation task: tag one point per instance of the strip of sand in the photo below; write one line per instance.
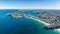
(41, 21)
(46, 24)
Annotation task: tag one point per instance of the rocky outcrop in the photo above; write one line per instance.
(51, 27)
(15, 15)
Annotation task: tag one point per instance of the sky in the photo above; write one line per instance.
(29, 4)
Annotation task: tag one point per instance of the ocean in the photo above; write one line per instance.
(10, 25)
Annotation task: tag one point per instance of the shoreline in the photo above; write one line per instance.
(32, 17)
(42, 21)
(46, 24)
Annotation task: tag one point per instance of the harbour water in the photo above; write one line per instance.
(9, 25)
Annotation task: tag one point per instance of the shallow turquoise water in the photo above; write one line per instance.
(9, 25)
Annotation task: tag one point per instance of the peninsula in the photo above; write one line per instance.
(52, 21)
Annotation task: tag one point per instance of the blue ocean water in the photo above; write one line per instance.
(9, 25)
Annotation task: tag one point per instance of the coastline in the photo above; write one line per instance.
(34, 18)
(46, 24)
(42, 21)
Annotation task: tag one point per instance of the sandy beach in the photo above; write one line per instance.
(46, 24)
(41, 21)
